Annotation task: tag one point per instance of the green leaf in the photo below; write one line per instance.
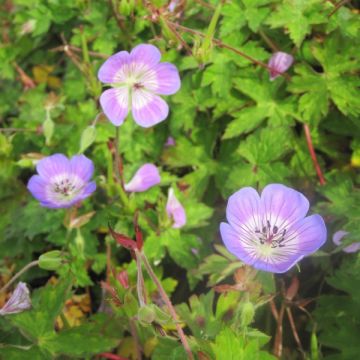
(39, 322)
(298, 16)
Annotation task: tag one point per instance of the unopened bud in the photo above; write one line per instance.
(146, 314)
(51, 260)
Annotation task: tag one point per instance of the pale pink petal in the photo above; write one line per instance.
(18, 302)
(168, 79)
(146, 54)
(148, 109)
(175, 210)
(111, 67)
(338, 237)
(115, 104)
(146, 177)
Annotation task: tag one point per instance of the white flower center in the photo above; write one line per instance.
(65, 187)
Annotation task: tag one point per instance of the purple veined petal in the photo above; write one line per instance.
(88, 190)
(305, 236)
(282, 206)
(115, 104)
(337, 239)
(53, 165)
(243, 209)
(279, 63)
(175, 210)
(148, 109)
(168, 79)
(109, 69)
(37, 186)
(82, 167)
(146, 54)
(18, 302)
(145, 177)
(249, 253)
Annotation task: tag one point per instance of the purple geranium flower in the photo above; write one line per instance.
(62, 182)
(337, 239)
(146, 177)
(175, 210)
(271, 232)
(137, 80)
(18, 302)
(279, 63)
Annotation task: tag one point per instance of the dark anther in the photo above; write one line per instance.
(264, 229)
(268, 224)
(275, 229)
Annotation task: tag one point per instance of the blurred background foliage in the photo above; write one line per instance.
(232, 128)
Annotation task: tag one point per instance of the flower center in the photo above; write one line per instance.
(65, 187)
(271, 235)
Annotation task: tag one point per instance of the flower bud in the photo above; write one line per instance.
(279, 63)
(51, 260)
(175, 210)
(146, 177)
(18, 302)
(146, 314)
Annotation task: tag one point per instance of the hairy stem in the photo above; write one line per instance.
(167, 302)
(17, 275)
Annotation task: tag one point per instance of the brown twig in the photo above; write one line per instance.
(135, 337)
(294, 331)
(274, 309)
(221, 44)
(278, 343)
(168, 303)
(26, 80)
(337, 7)
(205, 4)
(119, 19)
(313, 154)
(118, 160)
(182, 41)
(78, 50)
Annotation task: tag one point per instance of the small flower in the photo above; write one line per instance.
(137, 79)
(279, 63)
(61, 182)
(18, 302)
(337, 239)
(170, 141)
(175, 210)
(146, 177)
(271, 232)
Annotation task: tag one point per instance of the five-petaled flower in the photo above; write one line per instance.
(61, 182)
(137, 78)
(271, 232)
(279, 63)
(145, 177)
(18, 302)
(175, 210)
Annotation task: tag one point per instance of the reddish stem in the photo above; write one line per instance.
(313, 155)
(112, 356)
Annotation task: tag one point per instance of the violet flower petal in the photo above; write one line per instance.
(145, 177)
(115, 104)
(146, 54)
(168, 79)
(18, 302)
(111, 69)
(148, 109)
(175, 210)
